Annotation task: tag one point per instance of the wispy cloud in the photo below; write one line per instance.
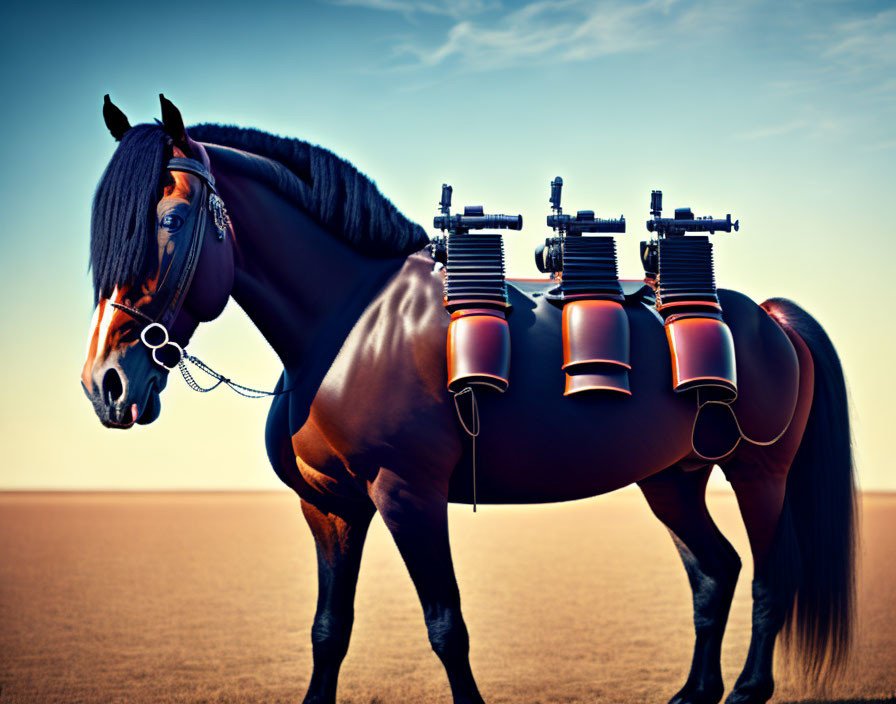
(556, 31)
(449, 8)
(773, 130)
(861, 52)
(880, 146)
(865, 41)
(480, 35)
(485, 35)
(840, 77)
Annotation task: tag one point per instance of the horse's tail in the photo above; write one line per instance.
(820, 511)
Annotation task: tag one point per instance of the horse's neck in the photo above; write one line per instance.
(302, 287)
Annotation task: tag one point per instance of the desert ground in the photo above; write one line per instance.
(209, 597)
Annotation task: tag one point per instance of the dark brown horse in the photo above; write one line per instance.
(333, 277)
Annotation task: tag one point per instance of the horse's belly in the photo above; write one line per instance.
(535, 445)
(540, 461)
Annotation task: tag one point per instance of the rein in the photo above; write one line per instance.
(246, 391)
(184, 357)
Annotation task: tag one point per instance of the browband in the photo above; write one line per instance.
(192, 166)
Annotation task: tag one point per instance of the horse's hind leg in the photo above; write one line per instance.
(677, 498)
(417, 516)
(759, 488)
(339, 540)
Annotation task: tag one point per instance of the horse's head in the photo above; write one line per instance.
(162, 261)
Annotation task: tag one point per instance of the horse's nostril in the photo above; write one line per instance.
(112, 386)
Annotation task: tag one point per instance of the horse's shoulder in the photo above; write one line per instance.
(390, 373)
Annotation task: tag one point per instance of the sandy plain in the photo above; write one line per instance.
(209, 597)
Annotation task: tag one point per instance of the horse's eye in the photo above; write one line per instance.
(172, 222)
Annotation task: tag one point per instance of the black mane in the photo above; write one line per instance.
(328, 188)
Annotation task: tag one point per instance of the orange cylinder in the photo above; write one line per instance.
(478, 349)
(702, 356)
(596, 351)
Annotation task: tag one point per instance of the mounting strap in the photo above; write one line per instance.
(471, 428)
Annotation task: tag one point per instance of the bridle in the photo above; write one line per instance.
(177, 272)
(175, 276)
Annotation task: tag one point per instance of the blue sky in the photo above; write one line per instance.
(779, 113)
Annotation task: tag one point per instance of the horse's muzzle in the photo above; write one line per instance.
(121, 411)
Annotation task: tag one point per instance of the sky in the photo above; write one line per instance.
(780, 113)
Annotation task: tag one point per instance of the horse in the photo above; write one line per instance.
(338, 281)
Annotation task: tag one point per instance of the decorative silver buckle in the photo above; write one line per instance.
(166, 342)
(219, 214)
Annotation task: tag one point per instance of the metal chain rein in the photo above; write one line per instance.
(245, 391)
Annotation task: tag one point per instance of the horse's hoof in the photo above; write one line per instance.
(711, 694)
(751, 694)
(315, 699)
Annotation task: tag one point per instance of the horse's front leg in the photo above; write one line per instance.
(339, 540)
(417, 516)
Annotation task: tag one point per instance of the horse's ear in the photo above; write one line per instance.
(173, 122)
(115, 119)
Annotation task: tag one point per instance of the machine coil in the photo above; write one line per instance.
(596, 355)
(679, 264)
(475, 294)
